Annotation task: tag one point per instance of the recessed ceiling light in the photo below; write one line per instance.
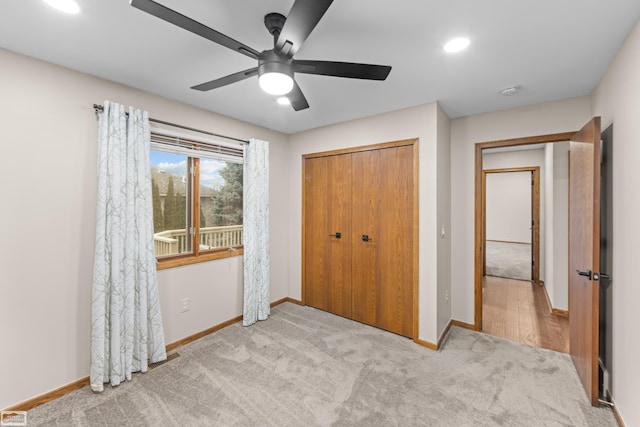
(512, 90)
(67, 6)
(456, 45)
(283, 100)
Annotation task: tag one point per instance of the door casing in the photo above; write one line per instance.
(479, 207)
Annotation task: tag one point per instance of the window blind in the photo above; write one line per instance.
(194, 146)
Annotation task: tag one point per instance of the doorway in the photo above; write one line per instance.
(605, 353)
(511, 205)
(584, 244)
(516, 305)
(516, 309)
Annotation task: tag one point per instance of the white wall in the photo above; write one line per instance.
(508, 206)
(49, 134)
(444, 221)
(553, 117)
(550, 264)
(617, 100)
(559, 274)
(416, 122)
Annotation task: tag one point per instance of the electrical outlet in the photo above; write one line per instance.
(186, 305)
(446, 296)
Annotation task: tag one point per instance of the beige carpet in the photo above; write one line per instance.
(509, 260)
(305, 367)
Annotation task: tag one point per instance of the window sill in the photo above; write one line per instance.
(190, 259)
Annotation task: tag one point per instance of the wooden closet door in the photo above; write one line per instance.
(382, 203)
(327, 211)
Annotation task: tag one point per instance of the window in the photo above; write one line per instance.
(197, 198)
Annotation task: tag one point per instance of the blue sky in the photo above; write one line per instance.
(176, 164)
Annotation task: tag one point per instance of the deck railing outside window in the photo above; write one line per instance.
(173, 242)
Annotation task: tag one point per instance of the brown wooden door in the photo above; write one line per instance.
(382, 224)
(584, 254)
(327, 211)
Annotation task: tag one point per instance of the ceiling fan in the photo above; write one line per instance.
(276, 67)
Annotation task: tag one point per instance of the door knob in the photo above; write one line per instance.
(585, 273)
(365, 238)
(337, 235)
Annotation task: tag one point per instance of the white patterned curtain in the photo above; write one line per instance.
(256, 232)
(126, 324)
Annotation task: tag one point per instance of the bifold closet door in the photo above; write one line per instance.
(328, 234)
(382, 250)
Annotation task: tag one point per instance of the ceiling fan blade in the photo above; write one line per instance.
(342, 69)
(227, 80)
(297, 99)
(169, 15)
(303, 18)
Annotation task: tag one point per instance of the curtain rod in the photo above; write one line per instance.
(97, 108)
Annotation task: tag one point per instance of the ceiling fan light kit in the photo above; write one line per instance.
(276, 67)
(276, 83)
(275, 73)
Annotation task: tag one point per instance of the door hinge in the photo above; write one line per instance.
(192, 231)
(533, 262)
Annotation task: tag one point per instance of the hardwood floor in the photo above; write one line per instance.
(518, 310)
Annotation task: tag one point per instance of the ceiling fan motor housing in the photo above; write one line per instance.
(271, 62)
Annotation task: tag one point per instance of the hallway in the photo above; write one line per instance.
(518, 310)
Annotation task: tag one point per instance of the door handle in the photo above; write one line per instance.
(585, 273)
(365, 238)
(337, 235)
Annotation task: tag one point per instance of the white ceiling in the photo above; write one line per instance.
(554, 49)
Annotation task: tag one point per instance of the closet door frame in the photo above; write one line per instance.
(415, 214)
